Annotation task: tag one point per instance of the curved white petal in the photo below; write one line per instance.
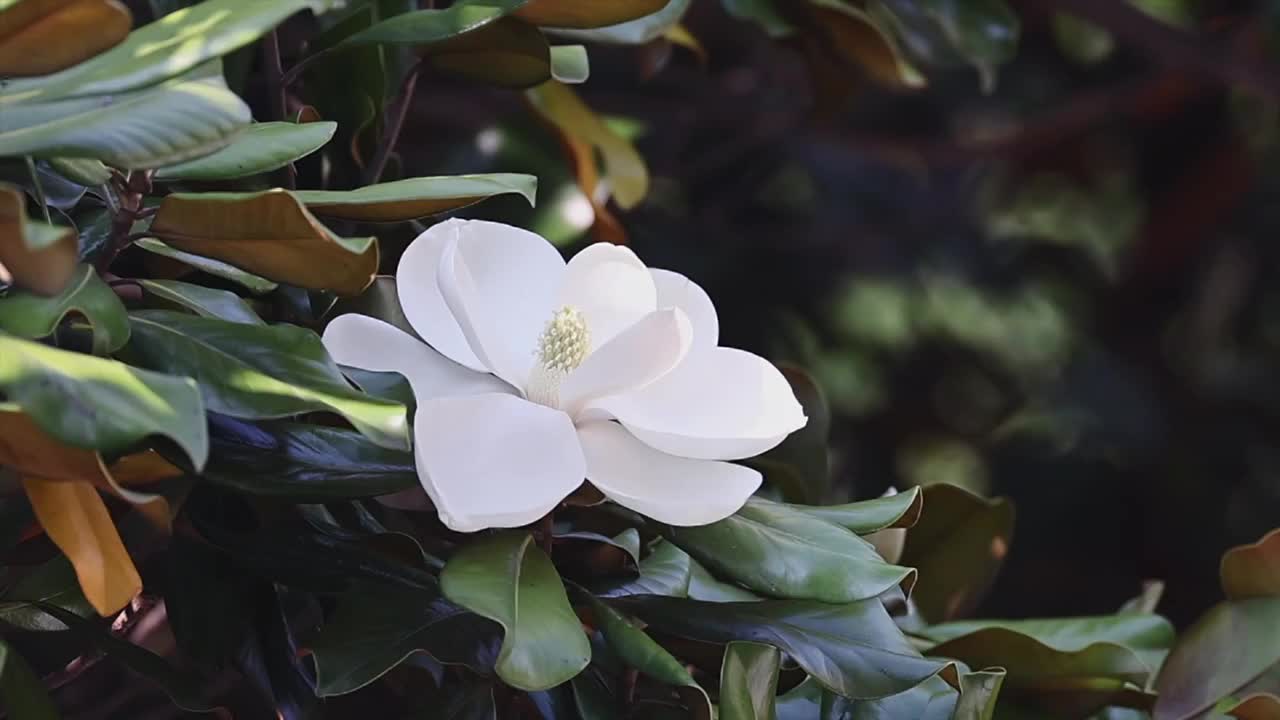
(676, 290)
(495, 460)
(634, 358)
(371, 344)
(669, 489)
(611, 288)
(501, 300)
(719, 404)
(515, 274)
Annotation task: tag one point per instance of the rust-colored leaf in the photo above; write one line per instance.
(852, 38)
(1253, 570)
(593, 14)
(269, 234)
(34, 255)
(77, 521)
(38, 37)
(1257, 707)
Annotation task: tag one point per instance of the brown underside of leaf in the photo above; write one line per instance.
(269, 234)
(1257, 707)
(38, 37)
(580, 14)
(75, 518)
(45, 271)
(1252, 570)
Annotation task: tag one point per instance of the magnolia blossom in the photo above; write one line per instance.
(537, 374)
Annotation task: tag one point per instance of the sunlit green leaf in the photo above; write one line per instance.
(260, 148)
(415, 197)
(32, 316)
(202, 300)
(749, 681)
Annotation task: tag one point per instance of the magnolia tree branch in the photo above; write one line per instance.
(1172, 46)
(396, 111)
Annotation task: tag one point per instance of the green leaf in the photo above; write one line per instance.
(23, 693)
(901, 510)
(1148, 636)
(54, 582)
(472, 701)
(854, 649)
(978, 694)
(98, 404)
(634, 32)
(33, 254)
(376, 628)
(1223, 652)
(505, 578)
(188, 691)
(958, 545)
(569, 64)
(260, 371)
(86, 171)
(785, 553)
(749, 681)
(306, 463)
(415, 197)
(269, 233)
(704, 586)
(164, 49)
(386, 385)
(637, 650)
(202, 300)
(425, 27)
(762, 12)
(183, 118)
(217, 268)
(262, 147)
(31, 316)
(666, 571)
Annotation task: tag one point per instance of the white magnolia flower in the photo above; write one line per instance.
(539, 374)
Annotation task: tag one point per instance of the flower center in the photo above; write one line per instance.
(561, 348)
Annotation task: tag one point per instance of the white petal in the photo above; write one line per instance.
(495, 460)
(669, 489)
(371, 344)
(634, 358)
(676, 290)
(500, 294)
(719, 404)
(512, 269)
(610, 287)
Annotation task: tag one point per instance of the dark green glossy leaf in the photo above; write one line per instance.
(386, 385)
(425, 27)
(1226, 649)
(33, 316)
(854, 649)
(303, 462)
(666, 571)
(764, 13)
(1147, 636)
(799, 466)
(749, 681)
(164, 49)
(24, 695)
(201, 300)
(637, 650)
(785, 553)
(415, 197)
(260, 371)
(507, 579)
(472, 701)
(94, 225)
(217, 268)
(183, 118)
(984, 33)
(207, 603)
(261, 147)
(704, 586)
(99, 404)
(376, 628)
(958, 545)
(900, 510)
(53, 582)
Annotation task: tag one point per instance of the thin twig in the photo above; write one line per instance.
(398, 109)
(278, 91)
(1172, 46)
(35, 180)
(295, 72)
